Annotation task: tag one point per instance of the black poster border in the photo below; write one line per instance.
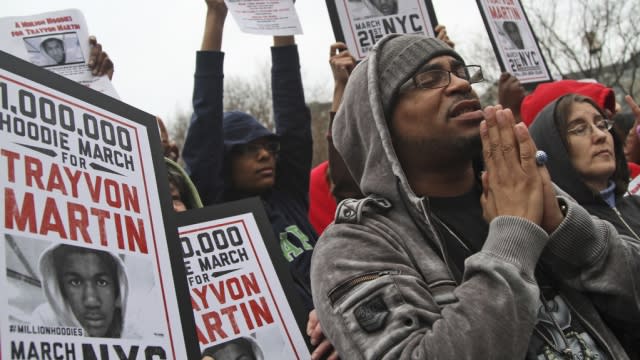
(337, 26)
(71, 88)
(254, 206)
(494, 44)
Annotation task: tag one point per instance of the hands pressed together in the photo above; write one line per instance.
(514, 184)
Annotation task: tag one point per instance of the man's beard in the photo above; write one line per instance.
(451, 152)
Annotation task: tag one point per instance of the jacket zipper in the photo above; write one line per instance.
(339, 291)
(435, 232)
(625, 223)
(453, 234)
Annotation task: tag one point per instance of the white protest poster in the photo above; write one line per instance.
(265, 17)
(58, 41)
(241, 293)
(361, 23)
(85, 232)
(514, 43)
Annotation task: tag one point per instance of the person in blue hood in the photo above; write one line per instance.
(230, 155)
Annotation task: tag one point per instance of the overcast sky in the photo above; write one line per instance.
(153, 43)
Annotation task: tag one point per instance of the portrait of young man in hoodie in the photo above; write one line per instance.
(382, 7)
(242, 348)
(450, 258)
(85, 288)
(54, 49)
(362, 9)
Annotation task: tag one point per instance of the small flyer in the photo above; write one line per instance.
(265, 17)
(57, 41)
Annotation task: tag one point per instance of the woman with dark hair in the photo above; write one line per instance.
(586, 159)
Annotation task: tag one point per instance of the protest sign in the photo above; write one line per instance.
(85, 233)
(361, 23)
(513, 41)
(56, 40)
(265, 17)
(241, 289)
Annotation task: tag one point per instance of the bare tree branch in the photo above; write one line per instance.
(597, 39)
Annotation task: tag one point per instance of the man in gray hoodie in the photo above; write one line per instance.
(441, 261)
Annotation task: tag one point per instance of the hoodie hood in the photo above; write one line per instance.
(548, 138)
(242, 341)
(373, 10)
(360, 130)
(192, 199)
(61, 309)
(241, 128)
(45, 53)
(254, 346)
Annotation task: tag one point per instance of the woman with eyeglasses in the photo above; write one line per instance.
(586, 159)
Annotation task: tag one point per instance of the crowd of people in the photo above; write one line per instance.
(438, 227)
(445, 232)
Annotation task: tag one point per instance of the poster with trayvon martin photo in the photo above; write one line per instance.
(242, 292)
(361, 23)
(513, 41)
(86, 229)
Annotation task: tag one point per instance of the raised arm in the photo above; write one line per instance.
(632, 145)
(292, 118)
(510, 94)
(203, 150)
(441, 33)
(342, 63)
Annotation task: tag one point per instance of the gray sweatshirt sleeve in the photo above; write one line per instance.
(589, 255)
(374, 301)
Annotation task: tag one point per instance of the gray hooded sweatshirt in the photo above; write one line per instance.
(382, 286)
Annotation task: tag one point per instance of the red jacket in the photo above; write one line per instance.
(322, 205)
